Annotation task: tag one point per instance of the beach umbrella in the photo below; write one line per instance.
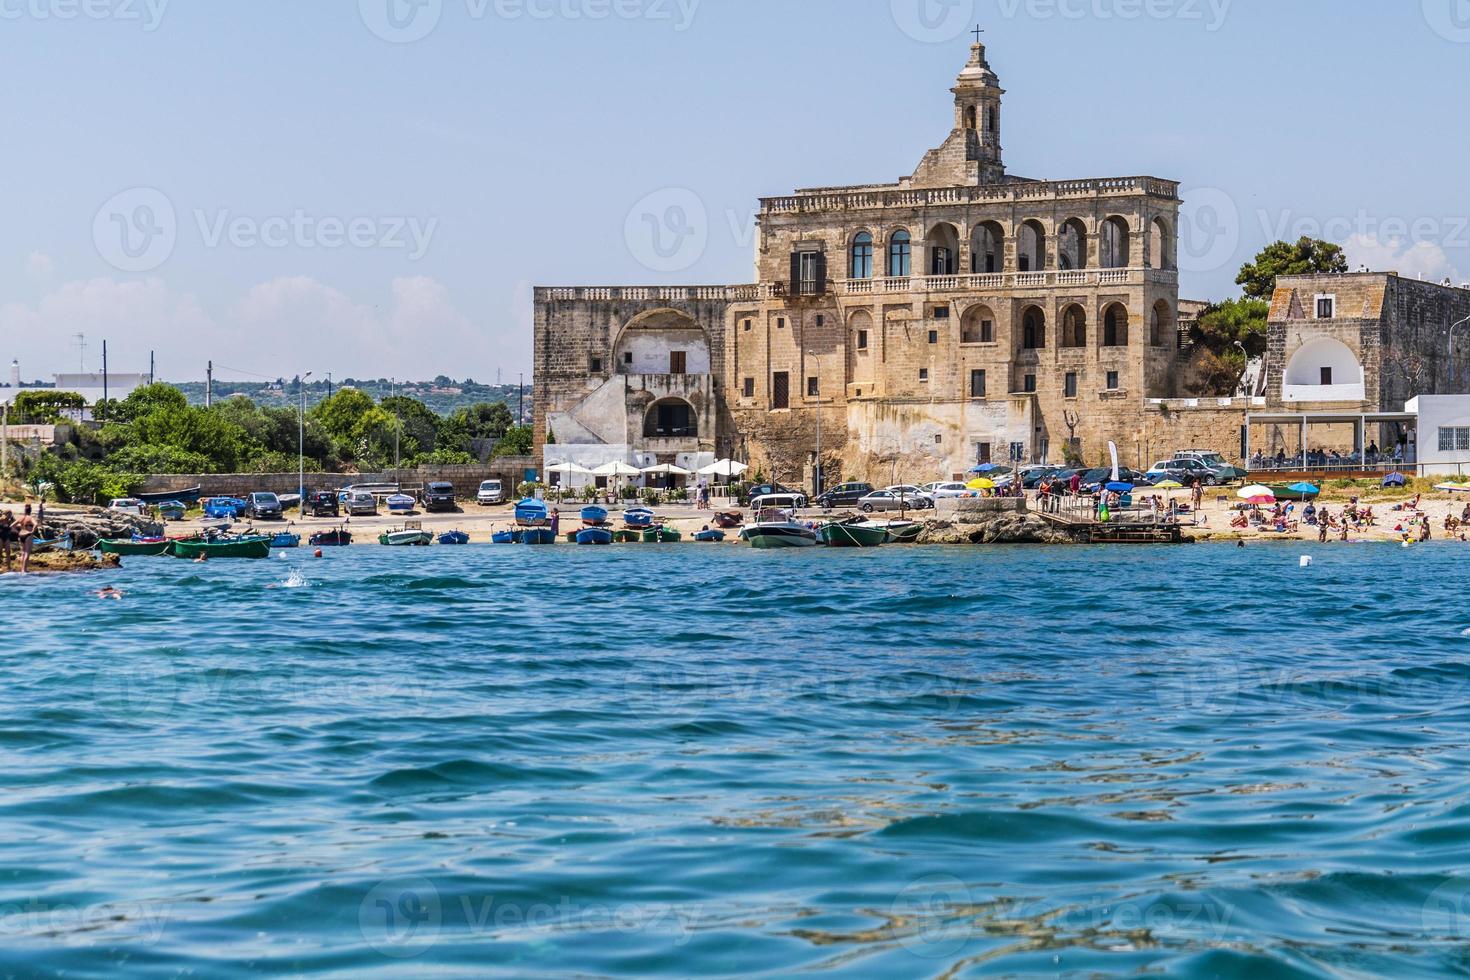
(667, 469)
(1120, 488)
(724, 467)
(980, 484)
(1305, 488)
(568, 469)
(1257, 495)
(1169, 485)
(616, 468)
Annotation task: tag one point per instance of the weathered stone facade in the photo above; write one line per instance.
(959, 315)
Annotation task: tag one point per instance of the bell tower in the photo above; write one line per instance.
(977, 96)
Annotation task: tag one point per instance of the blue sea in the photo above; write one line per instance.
(709, 761)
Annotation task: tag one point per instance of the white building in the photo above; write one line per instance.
(1444, 434)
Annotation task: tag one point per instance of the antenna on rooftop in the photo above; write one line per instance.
(81, 339)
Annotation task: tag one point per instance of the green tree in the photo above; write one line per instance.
(517, 441)
(341, 415)
(45, 407)
(1222, 325)
(1307, 256)
(145, 400)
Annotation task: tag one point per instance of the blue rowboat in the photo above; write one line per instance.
(173, 510)
(190, 496)
(709, 536)
(454, 537)
(506, 537)
(639, 517)
(594, 535)
(538, 535)
(400, 503)
(532, 513)
(286, 540)
(594, 516)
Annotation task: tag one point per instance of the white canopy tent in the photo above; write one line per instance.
(568, 469)
(616, 468)
(724, 467)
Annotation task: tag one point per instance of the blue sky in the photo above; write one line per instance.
(313, 186)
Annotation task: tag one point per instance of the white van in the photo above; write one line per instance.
(491, 493)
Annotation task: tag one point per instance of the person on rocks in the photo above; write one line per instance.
(7, 535)
(25, 532)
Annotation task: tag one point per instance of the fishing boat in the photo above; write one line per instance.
(709, 536)
(898, 532)
(594, 535)
(1296, 491)
(538, 535)
(173, 510)
(400, 503)
(285, 539)
(410, 535)
(42, 545)
(729, 520)
(594, 516)
(661, 535)
(289, 501)
(776, 526)
(190, 496)
(851, 534)
(506, 537)
(454, 537)
(532, 513)
(638, 518)
(627, 536)
(136, 547)
(339, 538)
(257, 546)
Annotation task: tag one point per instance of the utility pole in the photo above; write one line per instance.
(209, 386)
(301, 459)
(521, 404)
(150, 367)
(81, 340)
(4, 446)
(818, 474)
(329, 386)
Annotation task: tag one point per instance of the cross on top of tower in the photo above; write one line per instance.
(977, 32)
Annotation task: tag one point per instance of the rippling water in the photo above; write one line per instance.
(671, 762)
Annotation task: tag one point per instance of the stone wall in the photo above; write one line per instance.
(510, 470)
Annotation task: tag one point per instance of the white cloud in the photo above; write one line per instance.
(1421, 260)
(39, 266)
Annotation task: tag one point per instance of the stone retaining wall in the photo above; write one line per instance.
(511, 470)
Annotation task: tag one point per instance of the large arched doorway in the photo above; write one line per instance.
(1115, 244)
(987, 248)
(1074, 327)
(1072, 245)
(1033, 328)
(1115, 326)
(671, 418)
(944, 250)
(1324, 369)
(1031, 250)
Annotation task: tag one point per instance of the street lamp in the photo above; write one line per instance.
(1450, 347)
(301, 445)
(817, 361)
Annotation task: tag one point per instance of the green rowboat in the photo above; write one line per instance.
(256, 547)
(135, 549)
(857, 535)
(662, 535)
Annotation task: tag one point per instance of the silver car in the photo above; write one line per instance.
(359, 504)
(888, 500)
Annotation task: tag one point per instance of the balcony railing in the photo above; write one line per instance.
(995, 282)
(826, 200)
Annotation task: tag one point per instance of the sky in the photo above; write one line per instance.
(372, 187)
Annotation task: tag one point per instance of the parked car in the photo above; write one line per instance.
(1032, 476)
(264, 506)
(941, 491)
(917, 498)
(884, 500)
(224, 508)
(1095, 480)
(491, 493)
(1184, 471)
(323, 503)
(361, 504)
(440, 497)
(844, 495)
(766, 489)
(1222, 468)
(127, 505)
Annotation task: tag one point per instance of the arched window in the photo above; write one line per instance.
(987, 249)
(1072, 245)
(1161, 324)
(1031, 254)
(1115, 244)
(1074, 327)
(944, 250)
(1033, 330)
(1115, 327)
(862, 256)
(969, 117)
(900, 254)
(992, 121)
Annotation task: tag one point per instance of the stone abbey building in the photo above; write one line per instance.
(960, 315)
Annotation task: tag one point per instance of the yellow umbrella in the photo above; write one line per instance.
(981, 484)
(1168, 485)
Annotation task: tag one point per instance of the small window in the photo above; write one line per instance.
(977, 384)
(747, 324)
(1326, 307)
(627, 357)
(933, 336)
(923, 375)
(596, 365)
(939, 440)
(982, 453)
(941, 313)
(1327, 376)
(987, 331)
(1018, 452)
(780, 390)
(678, 361)
(1069, 385)
(780, 323)
(812, 390)
(749, 388)
(862, 340)
(1112, 381)
(821, 320)
(1028, 384)
(1462, 440)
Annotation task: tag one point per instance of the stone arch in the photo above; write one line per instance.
(1324, 354)
(1114, 242)
(1161, 324)
(1074, 326)
(671, 418)
(944, 250)
(648, 342)
(970, 118)
(977, 325)
(1161, 245)
(1031, 247)
(860, 340)
(1115, 325)
(1033, 328)
(1072, 244)
(988, 248)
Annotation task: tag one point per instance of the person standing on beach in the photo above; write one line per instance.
(1197, 495)
(25, 532)
(555, 523)
(7, 534)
